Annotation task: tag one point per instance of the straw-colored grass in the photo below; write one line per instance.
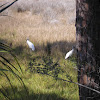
(21, 26)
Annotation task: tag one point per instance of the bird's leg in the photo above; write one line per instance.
(30, 50)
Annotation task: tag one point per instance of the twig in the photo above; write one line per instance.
(7, 6)
(76, 83)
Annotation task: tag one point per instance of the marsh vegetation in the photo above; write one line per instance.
(50, 25)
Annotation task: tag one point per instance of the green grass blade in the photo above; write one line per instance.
(16, 61)
(3, 51)
(6, 48)
(8, 67)
(17, 76)
(8, 63)
(4, 94)
(9, 82)
(4, 70)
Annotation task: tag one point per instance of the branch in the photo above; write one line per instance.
(76, 83)
(7, 6)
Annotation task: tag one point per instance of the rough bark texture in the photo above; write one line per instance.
(88, 47)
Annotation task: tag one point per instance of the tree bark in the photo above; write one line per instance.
(88, 49)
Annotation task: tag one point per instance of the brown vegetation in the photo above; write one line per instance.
(55, 24)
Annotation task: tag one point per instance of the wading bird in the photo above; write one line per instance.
(31, 45)
(70, 53)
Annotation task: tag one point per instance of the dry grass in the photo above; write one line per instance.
(21, 26)
(55, 21)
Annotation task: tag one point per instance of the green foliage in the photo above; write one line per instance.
(46, 67)
(56, 75)
(7, 69)
(42, 76)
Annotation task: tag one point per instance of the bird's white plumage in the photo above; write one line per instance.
(69, 54)
(31, 45)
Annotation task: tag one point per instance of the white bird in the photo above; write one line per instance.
(31, 45)
(69, 53)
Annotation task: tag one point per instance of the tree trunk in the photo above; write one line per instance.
(88, 47)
